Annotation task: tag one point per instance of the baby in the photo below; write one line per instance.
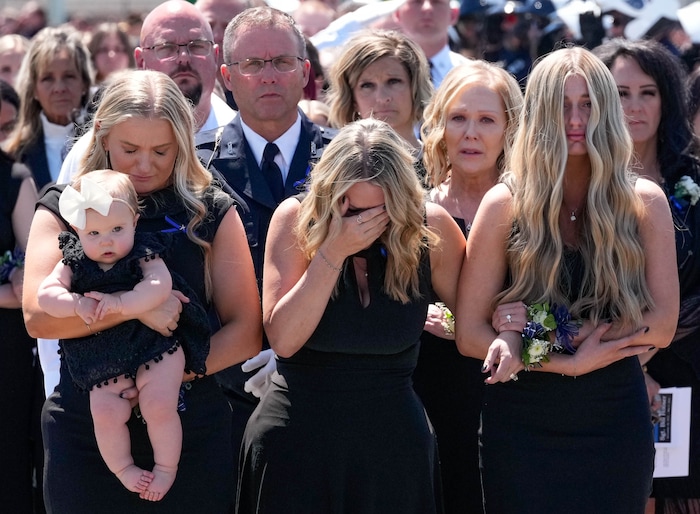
(111, 269)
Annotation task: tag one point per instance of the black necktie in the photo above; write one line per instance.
(272, 172)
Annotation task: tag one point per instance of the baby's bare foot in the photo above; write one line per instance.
(163, 478)
(134, 478)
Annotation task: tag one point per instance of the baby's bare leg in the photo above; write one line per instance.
(159, 389)
(109, 415)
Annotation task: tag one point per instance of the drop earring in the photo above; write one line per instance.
(109, 162)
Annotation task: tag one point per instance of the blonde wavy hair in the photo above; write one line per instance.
(370, 151)
(358, 54)
(458, 79)
(152, 95)
(614, 284)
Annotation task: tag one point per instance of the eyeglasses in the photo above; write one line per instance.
(167, 51)
(282, 64)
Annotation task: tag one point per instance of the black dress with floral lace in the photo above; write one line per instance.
(120, 350)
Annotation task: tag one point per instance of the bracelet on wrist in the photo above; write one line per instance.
(338, 270)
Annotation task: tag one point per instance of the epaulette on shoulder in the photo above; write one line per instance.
(207, 144)
(208, 138)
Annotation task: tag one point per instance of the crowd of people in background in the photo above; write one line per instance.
(414, 179)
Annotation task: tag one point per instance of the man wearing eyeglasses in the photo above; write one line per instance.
(177, 40)
(266, 69)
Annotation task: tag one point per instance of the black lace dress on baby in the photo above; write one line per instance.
(119, 351)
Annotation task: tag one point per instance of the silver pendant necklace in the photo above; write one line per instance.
(573, 215)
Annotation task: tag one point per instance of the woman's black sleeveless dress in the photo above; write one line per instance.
(341, 429)
(451, 388)
(77, 480)
(554, 444)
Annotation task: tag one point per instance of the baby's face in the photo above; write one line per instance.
(106, 239)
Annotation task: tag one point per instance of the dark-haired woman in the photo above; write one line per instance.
(650, 81)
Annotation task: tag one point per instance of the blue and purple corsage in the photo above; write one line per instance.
(537, 334)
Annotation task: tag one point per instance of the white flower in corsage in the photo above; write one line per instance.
(448, 319)
(537, 334)
(538, 349)
(685, 193)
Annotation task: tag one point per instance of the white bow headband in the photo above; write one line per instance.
(72, 204)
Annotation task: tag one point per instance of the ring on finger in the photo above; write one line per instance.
(509, 318)
(359, 219)
(514, 377)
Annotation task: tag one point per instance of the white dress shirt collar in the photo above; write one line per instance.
(287, 143)
(220, 114)
(442, 62)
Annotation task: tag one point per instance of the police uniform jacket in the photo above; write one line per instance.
(230, 155)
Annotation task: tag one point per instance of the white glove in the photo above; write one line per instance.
(260, 382)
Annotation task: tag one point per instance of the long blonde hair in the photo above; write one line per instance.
(371, 151)
(145, 94)
(614, 284)
(460, 77)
